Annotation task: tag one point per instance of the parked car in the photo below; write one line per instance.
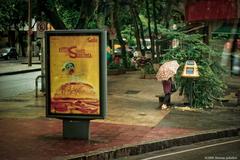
(8, 53)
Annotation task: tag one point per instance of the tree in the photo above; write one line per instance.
(13, 16)
(149, 28)
(118, 26)
(139, 27)
(210, 86)
(72, 14)
(136, 28)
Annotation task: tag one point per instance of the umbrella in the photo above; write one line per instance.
(167, 70)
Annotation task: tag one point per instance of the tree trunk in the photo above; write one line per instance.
(117, 26)
(154, 18)
(51, 13)
(155, 26)
(81, 23)
(149, 29)
(141, 32)
(21, 43)
(11, 38)
(136, 29)
(86, 12)
(206, 34)
(168, 9)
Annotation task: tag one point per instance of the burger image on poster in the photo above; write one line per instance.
(74, 96)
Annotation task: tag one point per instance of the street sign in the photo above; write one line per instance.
(41, 27)
(210, 10)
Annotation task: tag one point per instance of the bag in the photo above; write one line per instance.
(173, 87)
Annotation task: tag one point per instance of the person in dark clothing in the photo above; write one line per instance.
(167, 88)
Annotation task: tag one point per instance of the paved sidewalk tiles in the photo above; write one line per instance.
(133, 124)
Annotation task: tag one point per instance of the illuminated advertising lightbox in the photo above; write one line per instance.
(76, 74)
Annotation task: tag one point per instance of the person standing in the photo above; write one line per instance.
(167, 88)
(165, 74)
(109, 56)
(226, 56)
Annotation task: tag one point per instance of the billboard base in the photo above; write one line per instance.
(76, 129)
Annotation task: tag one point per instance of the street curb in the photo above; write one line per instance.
(141, 148)
(32, 63)
(21, 71)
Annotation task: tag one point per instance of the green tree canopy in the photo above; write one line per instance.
(13, 13)
(209, 87)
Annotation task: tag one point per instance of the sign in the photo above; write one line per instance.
(205, 10)
(76, 74)
(41, 26)
(190, 69)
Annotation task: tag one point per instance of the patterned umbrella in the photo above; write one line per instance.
(167, 70)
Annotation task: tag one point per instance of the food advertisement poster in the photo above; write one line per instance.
(76, 82)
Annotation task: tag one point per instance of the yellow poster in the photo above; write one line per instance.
(74, 79)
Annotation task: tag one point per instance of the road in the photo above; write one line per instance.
(221, 149)
(12, 85)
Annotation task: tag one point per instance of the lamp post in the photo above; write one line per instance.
(29, 49)
(112, 27)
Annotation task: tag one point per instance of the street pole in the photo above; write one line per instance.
(112, 27)
(29, 32)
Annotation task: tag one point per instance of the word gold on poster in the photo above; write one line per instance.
(76, 74)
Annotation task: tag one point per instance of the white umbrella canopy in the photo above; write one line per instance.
(167, 70)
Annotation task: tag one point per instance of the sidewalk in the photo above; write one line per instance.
(13, 66)
(133, 124)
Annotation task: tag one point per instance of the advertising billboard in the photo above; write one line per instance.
(76, 74)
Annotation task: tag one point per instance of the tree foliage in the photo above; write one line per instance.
(134, 21)
(13, 13)
(210, 86)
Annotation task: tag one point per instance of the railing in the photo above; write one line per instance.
(36, 84)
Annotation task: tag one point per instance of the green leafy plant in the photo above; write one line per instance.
(146, 65)
(210, 86)
(113, 65)
(148, 68)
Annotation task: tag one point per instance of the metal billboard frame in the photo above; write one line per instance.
(102, 72)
